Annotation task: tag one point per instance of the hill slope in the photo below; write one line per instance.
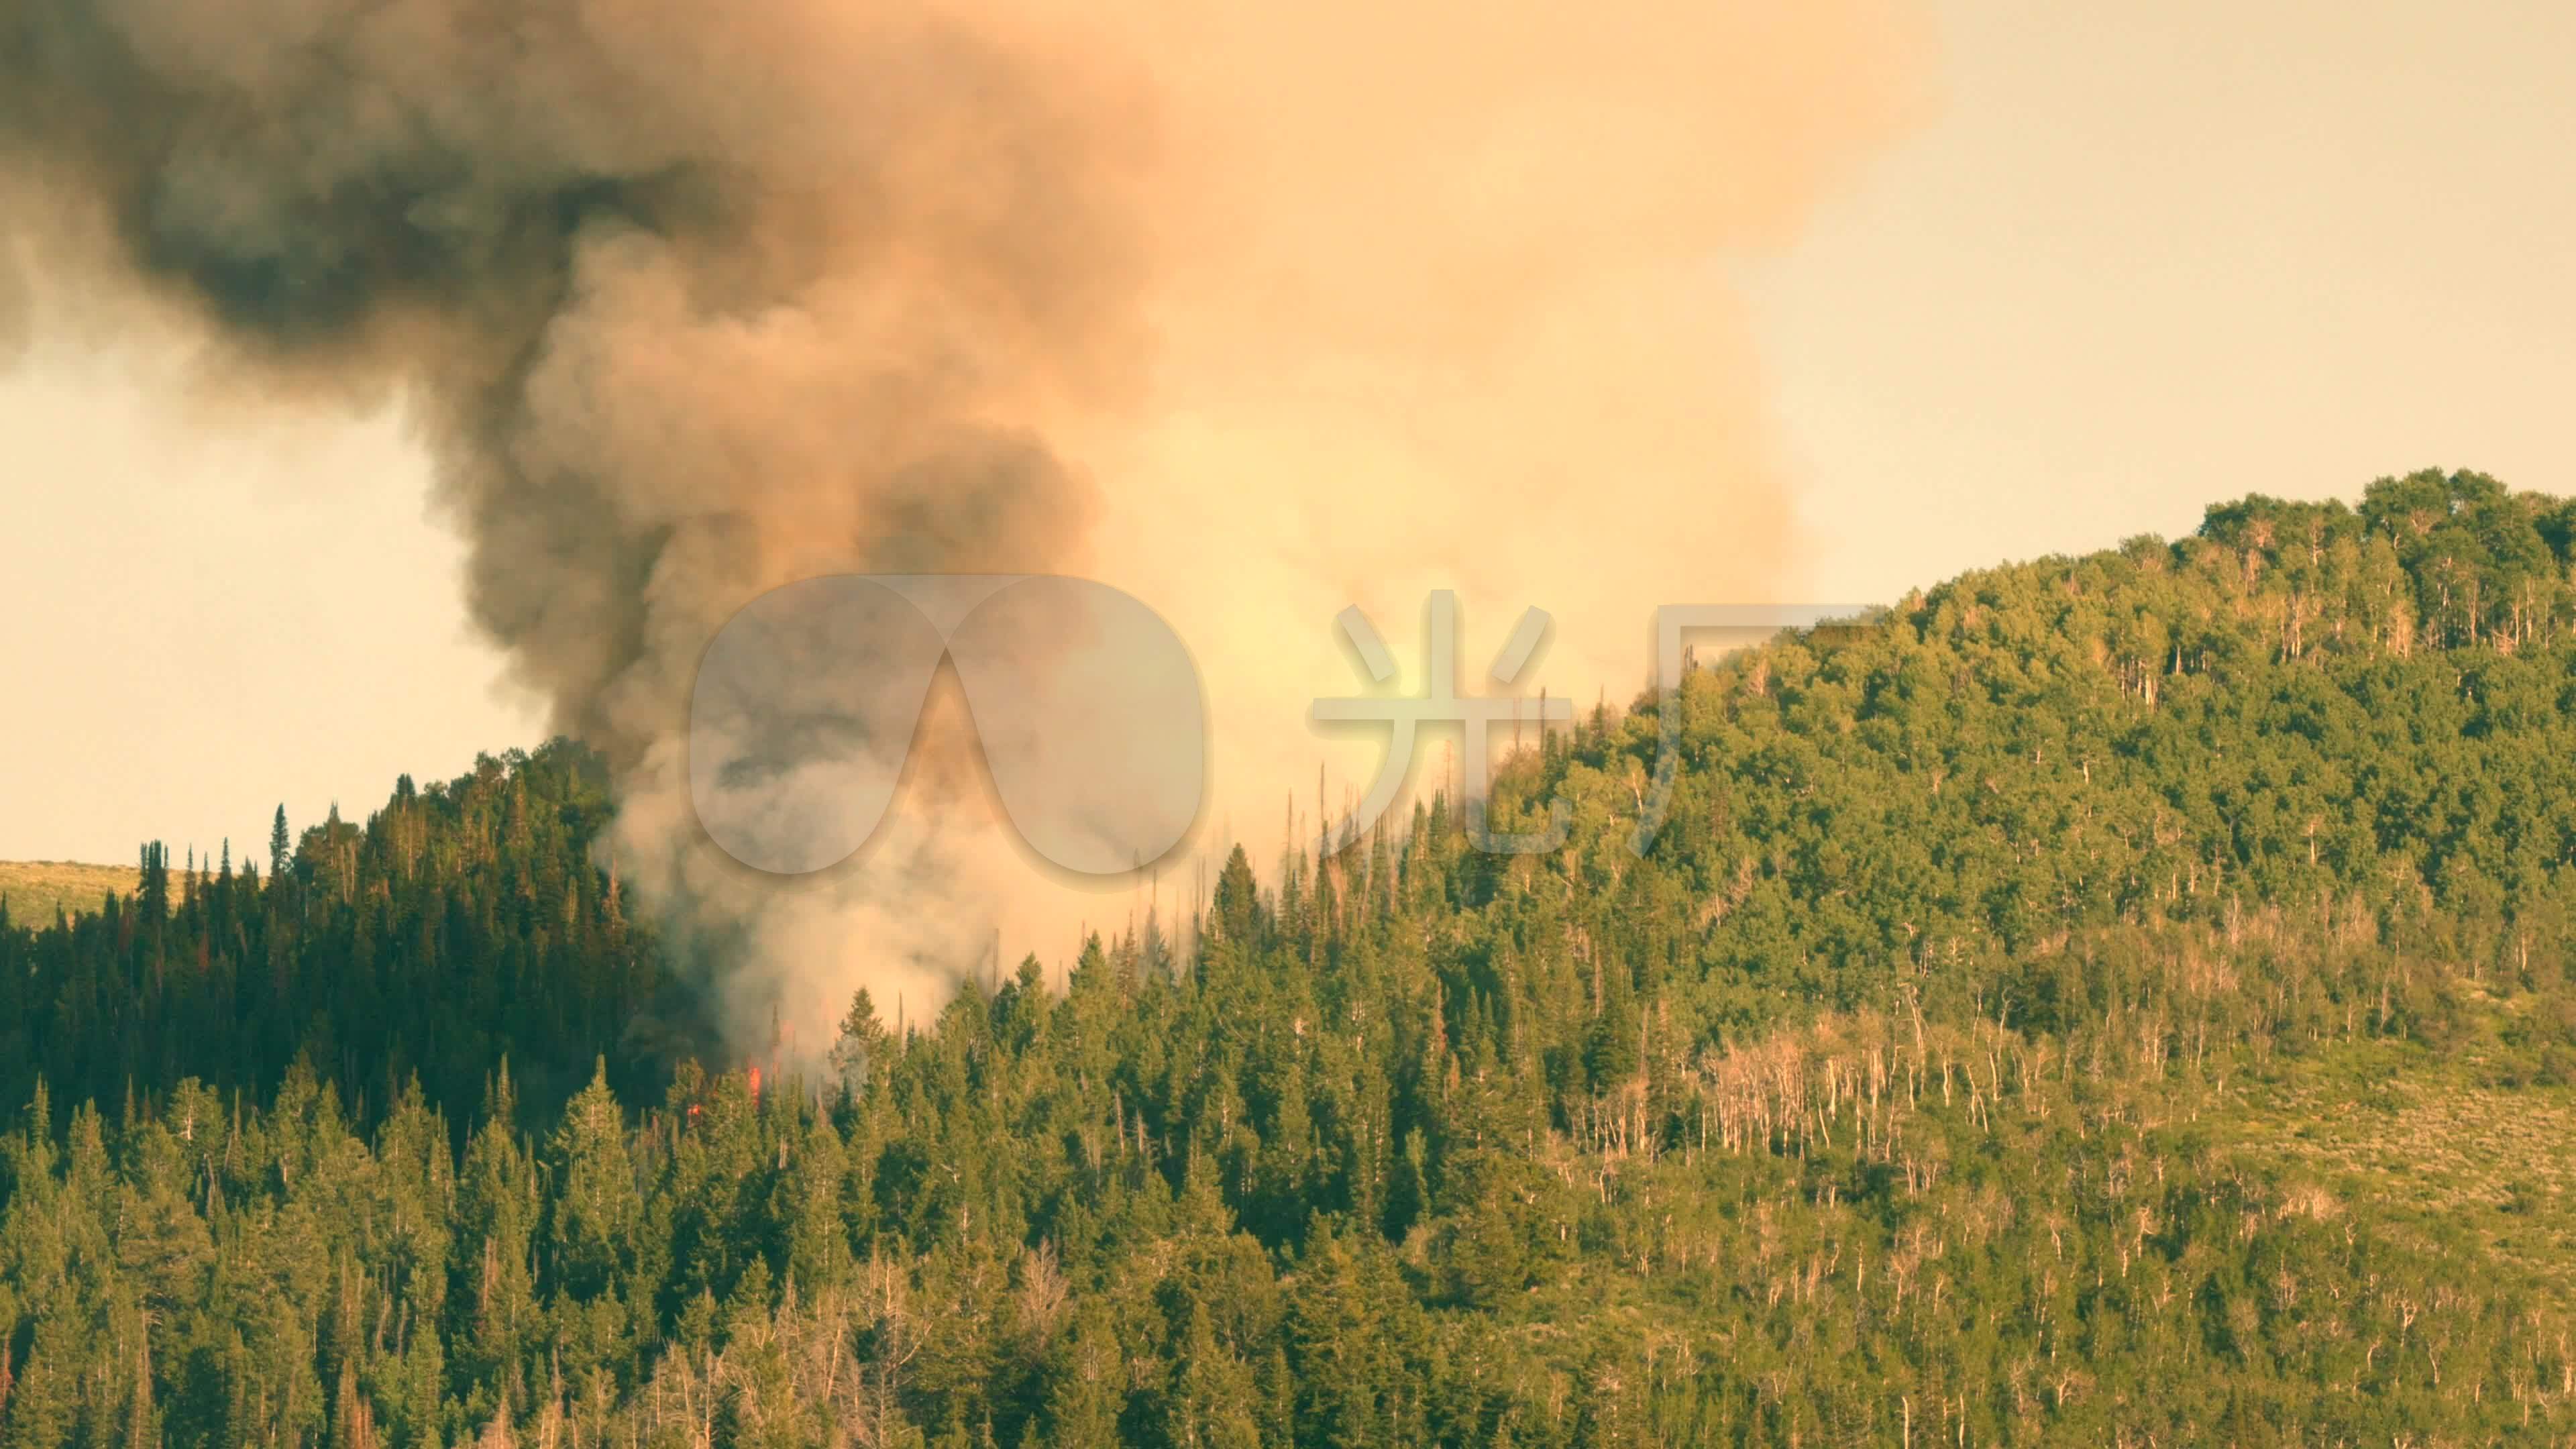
(33, 890)
(2128, 998)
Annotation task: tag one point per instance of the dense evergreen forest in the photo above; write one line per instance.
(2117, 1000)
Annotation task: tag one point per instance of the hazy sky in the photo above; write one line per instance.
(2152, 255)
(2138, 257)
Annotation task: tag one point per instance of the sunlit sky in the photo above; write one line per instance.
(2137, 258)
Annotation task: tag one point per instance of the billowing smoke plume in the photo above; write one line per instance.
(1449, 307)
(1252, 312)
(689, 301)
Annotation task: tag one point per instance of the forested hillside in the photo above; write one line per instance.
(2112, 1000)
(463, 924)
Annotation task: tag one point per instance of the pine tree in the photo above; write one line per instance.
(280, 848)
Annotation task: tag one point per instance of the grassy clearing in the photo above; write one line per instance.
(2444, 1147)
(34, 888)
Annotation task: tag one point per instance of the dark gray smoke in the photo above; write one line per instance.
(687, 300)
(679, 293)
